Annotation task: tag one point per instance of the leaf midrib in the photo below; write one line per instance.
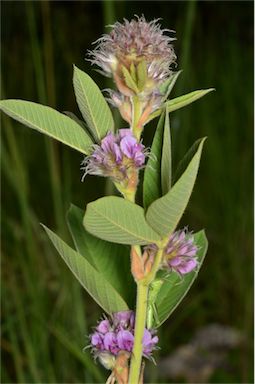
(89, 108)
(124, 228)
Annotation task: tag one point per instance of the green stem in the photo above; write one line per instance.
(140, 323)
(151, 276)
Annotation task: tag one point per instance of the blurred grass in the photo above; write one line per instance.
(46, 315)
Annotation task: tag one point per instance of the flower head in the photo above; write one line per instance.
(136, 53)
(118, 156)
(179, 253)
(115, 335)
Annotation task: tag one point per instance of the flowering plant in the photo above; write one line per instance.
(163, 261)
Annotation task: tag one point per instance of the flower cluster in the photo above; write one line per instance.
(179, 253)
(118, 156)
(116, 334)
(131, 42)
(138, 55)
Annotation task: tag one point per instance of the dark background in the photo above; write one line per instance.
(46, 315)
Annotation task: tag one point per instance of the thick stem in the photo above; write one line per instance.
(140, 323)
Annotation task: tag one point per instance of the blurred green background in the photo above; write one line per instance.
(45, 314)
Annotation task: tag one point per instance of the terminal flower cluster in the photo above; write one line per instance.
(116, 334)
(131, 42)
(138, 55)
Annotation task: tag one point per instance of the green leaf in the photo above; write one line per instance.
(186, 159)
(112, 260)
(142, 74)
(49, 121)
(174, 288)
(152, 179)
(79, 235)
(76, 119)
(166, 160)
(119, 221)
(94, 283)
(164, 214)
(133, 72)
(129, 80)
(92, 104)
(167, 86)
(182, 101)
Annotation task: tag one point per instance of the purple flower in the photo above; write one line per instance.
(103, 326)
(125, 340)
(110, 342)
(179, 253)
(97, 340)
(124, 319)
(118, 156)
(117, 334)
(149, 342)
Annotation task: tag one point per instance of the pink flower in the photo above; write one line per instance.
(117, 334)
(116, 157)
(125, 340)
(179, 253)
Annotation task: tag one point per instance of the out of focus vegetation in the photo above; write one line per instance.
(46, 314)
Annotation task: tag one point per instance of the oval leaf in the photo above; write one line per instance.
(164, 214)
(119, 221)
(94, 283)
(92, 104)
(49, 121)
(174, 288)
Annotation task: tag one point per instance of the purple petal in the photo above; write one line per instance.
(110, 342)
(122, 319)
(103, 326)
(149, 342)
(146, 337)
(191, 252)
(175, 261)
(127, 146)
(107, 142)
(187, 267)
(96, 340)
(125, 340)
(117, 153)
(125, 132)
